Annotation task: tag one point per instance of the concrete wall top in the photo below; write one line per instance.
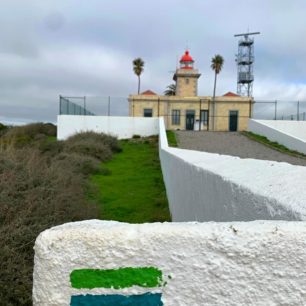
(291, 134)
(254, 263)
(282, 182)
(293, 128)
(212, 187)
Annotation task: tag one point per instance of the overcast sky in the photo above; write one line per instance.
(78, 47)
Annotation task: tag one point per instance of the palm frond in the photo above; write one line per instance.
(170, 91)
(138, 65)
(217, 63)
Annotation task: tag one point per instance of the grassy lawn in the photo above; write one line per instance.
(274, 145)
(133, 191)
(171, 139)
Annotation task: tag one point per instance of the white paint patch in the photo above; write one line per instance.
(253, 263)
(211, 187)
(291, 134)
(121, 127)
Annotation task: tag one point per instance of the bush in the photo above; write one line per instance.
(43, 183)
(89, 147)
(105, 139)
(32, 130)
(21, 136)
(2, 126)
(79, 164)
(35, 195)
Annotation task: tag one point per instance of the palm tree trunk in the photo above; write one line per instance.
(138, 84)
(214, 103)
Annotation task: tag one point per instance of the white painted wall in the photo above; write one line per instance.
(291, 134)
(253, 263)
(230, 263)
(211, 187)
(121, 127)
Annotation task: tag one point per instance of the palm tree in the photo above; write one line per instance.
(170, 91)
(216, 64)
(138, 64)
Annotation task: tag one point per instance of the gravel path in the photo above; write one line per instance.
(234, 144)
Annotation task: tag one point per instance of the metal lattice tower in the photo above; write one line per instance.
(245, 60)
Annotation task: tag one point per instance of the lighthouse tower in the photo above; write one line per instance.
(186, 77)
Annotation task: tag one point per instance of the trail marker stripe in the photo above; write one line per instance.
(147, 299)
(147, 277)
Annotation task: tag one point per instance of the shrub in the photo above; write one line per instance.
(32, 130)
(21, 136)
(79, 164)
(50, 148)
(105, 139)
(34, 195)
(89, 147)
(2, 126)
(43, 183)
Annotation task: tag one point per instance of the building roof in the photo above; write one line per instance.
(186, 57)
(149, 93)
(230, 94)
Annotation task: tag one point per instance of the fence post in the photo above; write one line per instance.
(84, 105)
(275, 111)
(108, 109)
(298, 111)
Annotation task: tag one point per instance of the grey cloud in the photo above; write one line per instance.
(75, 47)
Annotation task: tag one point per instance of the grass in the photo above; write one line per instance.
(132, 188)
(272, 144)
(171, 139)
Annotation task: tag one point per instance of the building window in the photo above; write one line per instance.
(176, 117)
(187, 81)
(148, 112)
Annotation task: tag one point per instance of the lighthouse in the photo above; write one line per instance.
(186, 77)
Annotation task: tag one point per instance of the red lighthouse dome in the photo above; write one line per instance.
(186, 61)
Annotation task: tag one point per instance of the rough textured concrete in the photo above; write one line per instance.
(205, 186)
(291, 134)
(234, 144)
(251, 263)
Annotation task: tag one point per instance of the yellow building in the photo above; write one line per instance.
(188, 111)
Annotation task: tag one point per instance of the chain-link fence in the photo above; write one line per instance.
(279, 110)
(94, 105)
(118, 106)
(68, 107)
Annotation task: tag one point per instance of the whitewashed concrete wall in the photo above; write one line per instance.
(291, 134)
(211, 187)
(121, 127)
(253, 263)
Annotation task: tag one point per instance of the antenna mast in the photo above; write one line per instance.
(245, 60)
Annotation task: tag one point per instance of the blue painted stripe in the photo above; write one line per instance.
(147, 299)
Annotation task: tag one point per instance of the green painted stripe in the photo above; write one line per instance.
(148, 277)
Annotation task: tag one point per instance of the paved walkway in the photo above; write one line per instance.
(231, 143)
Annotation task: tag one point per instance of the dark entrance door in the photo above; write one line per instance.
(189, 119)
(233, 121)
